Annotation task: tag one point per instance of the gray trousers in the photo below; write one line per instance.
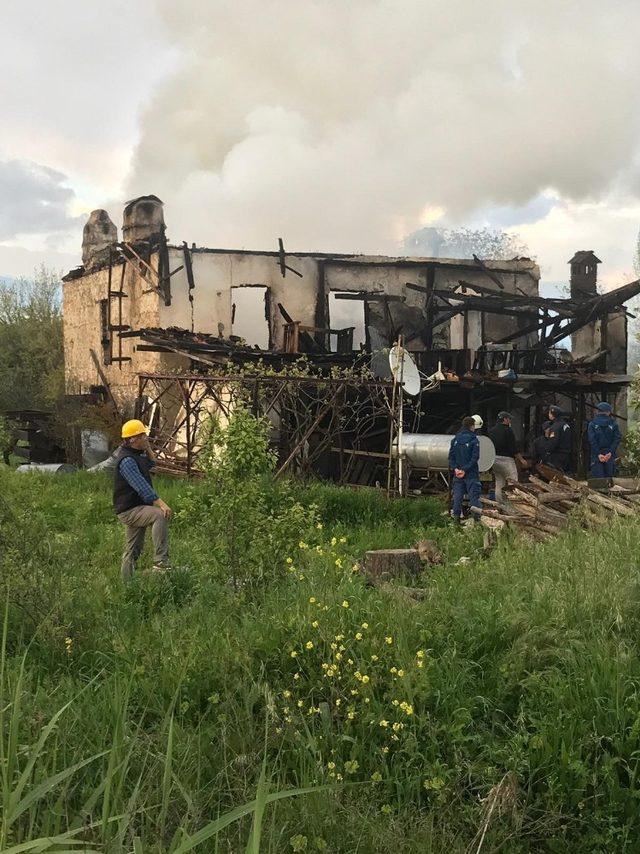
(504, 468)
(136, 522)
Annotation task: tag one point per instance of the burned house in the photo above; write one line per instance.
(143, 315)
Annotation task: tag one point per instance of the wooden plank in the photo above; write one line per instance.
(103, 379)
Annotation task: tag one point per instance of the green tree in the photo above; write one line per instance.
(31, 349)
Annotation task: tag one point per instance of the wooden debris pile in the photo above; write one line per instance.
(543, 507)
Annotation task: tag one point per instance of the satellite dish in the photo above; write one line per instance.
(404, 369)
(380, 365)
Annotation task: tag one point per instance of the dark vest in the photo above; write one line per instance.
(124, 496)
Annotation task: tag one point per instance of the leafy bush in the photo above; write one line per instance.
(6, 438)
(248, 518)
(630, 462)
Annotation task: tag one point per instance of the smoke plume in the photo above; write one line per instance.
(346, 125)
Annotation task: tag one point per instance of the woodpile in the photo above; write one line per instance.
(544, 506)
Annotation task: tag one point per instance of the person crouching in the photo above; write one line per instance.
(136, 503)
(464, 454)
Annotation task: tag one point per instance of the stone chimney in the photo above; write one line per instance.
(143, 219)
(584, 274)
(98, 236)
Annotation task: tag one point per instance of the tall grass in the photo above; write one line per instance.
(134, 720)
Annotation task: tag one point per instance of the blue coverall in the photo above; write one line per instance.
(604, 437)
(464, 454)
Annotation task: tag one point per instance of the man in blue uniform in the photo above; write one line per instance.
(463, 464)
(604, 437)
(136, 503)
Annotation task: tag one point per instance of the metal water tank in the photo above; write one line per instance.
(431, 451)
(47, 468)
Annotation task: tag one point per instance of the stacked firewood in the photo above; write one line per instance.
(543, 507)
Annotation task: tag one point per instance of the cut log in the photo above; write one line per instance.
(632, 484)
(386, 564)
(553, 497)
(491, 523)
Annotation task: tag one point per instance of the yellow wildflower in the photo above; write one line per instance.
(289, 560)
(334, 541)
(351, 766)
(384, 723)
(319, 526)
(315, 624)
(308, 645)
(294, 654)
(343, 539)
(338, 563)
(400, 673)
(374, 658)
(286, 694)
(351, 715)
(364, 626)
(302, 545)
(358, 635)
(296, 676)
(376, 776)
(365, 679)
(300, 704)
(420, 653)
(388, 640)
(345, 604)
(312, 600)
(331, 765)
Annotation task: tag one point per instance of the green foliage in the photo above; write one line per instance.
(630, 450)
(6, 437)
(516, 682)
(251, 516)
(31, 347)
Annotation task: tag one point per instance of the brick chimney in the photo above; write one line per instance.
(584, 273)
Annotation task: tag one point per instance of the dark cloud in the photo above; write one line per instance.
(33, 200)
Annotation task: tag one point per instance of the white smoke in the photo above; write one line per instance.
(342, 125)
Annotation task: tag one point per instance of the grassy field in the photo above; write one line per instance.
(305, 711)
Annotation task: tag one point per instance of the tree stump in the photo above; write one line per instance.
(388, 564)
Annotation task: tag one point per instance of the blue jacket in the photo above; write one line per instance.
(604, 436)
(464, 452)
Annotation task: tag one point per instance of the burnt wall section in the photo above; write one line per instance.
(83, 301)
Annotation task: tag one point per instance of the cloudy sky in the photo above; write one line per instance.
(340, 126)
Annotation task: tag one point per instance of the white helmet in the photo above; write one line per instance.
(479, 422)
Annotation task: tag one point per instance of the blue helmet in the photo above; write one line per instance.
(605, 407)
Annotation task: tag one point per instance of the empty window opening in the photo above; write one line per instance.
(344, 313)
(250, 315)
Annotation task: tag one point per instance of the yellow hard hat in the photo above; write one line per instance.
(133, 428)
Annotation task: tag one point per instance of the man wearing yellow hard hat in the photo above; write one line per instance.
(136, 503)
